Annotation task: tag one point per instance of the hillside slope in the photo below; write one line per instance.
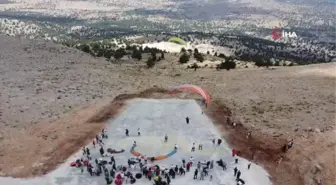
(42, 82)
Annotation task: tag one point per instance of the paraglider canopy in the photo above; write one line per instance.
(193, 88)
(177, 40)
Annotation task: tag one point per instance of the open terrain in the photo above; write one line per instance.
(48, 92)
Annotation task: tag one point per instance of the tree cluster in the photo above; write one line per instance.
(198, 56)
(228, 64)
(261, 51)
(184, 58)
(108, 51)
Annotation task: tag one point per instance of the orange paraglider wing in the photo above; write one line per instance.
(193, 88)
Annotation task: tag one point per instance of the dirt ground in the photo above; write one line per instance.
(50, 96)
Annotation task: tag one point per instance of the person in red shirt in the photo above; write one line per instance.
(234, 152)
(149, 174)
(188, 166)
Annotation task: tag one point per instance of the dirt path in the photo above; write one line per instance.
(40, 148)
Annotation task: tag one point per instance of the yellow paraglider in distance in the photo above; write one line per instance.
(177, 40)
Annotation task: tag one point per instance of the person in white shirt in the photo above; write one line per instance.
(193, 148)
(191, 160)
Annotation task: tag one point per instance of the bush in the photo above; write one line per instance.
(85, 48)
(259, 63)
(128, 47)
(150, 62)
(137, 54)
(153, 55)
(109, 53)
(184, 58)
(199, 57)
(221, 55)
(194, 66)
(277, 63)
(263, 63)
(119, 53)
(227, 65)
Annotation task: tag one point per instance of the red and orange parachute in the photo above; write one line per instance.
(193, 88)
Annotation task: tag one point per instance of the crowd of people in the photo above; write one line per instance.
(139, 167)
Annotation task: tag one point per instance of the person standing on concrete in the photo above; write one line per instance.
(103, 133)
(112, 160)
(114, 167)
(211, 164)
(188, 166)
(183, 163)
(191, 161)
(238, 174)
(235, 171)
(149, 175)
(127, 132)
(210, 177)
(87, 151)
(84, 150)
(199, 165)
(236, 160)
(176, 169)
(139, 132)
(101, 143)
(97, 138)
(224, 165)
(249, 165)
(219, 141)
(166, 138)
(202, 175)
(200, 147)
(195, 174)
(187, 120)
(112, 173)
(81, 166)
(193, 148)
(101, 150)
(89, 169)
(182, 171)
(168, 179)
